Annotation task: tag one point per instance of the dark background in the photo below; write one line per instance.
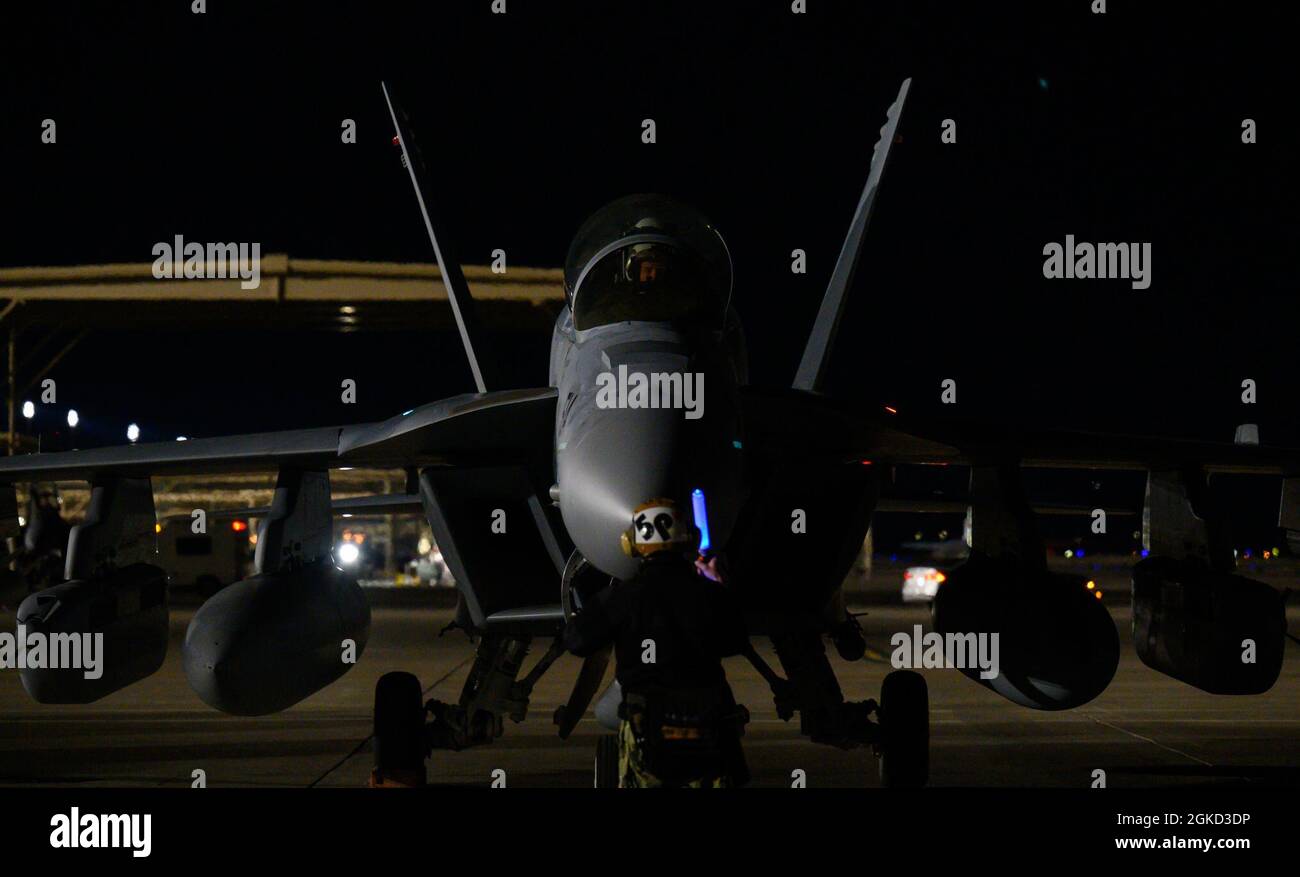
(1118, 127)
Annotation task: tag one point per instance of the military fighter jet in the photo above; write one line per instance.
(648, 406)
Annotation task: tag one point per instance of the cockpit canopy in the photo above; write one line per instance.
(647, 257)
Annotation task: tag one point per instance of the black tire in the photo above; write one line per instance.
(905, 728)
(607, 761)
(399, 727)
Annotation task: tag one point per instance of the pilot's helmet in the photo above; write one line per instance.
(647, 257)
(648, 266)
(659, 528)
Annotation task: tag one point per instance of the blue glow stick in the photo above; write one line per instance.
(701, 518)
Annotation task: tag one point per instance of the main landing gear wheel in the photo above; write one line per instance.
(399, 732)
(904, 749)
(607, 761)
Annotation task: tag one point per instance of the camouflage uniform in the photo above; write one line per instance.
(633, 775)
(693, 624)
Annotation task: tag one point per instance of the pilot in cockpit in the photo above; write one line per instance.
(648, 257)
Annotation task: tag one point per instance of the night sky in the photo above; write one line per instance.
(1117, 127)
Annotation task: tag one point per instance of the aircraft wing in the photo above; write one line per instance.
(383, 504)
(801, 423)
(1067, 449)
(469, 427)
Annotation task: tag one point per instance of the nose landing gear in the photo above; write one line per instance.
(897, 728)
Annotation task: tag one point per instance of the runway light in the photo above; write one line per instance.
(347, 553)
(22, 522)
(181, 438)
(1068, 554)
(1098, 593)
(238, 526)
(29, 410)
(73, 419)
(1091, 585)
(1267, 554)
(1079, 553)
(1146, 553)
(132, 433)
(157, 528)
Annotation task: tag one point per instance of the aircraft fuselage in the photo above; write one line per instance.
(645, 411)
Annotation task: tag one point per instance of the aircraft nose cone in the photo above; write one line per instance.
(625, 458)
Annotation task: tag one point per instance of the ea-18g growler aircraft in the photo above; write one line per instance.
(647, 404)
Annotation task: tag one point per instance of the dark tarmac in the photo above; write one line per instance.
(1145, 730)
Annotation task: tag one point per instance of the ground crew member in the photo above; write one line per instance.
(671, 626)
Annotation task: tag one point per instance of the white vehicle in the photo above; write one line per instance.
(921, 583)
(204, 561)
